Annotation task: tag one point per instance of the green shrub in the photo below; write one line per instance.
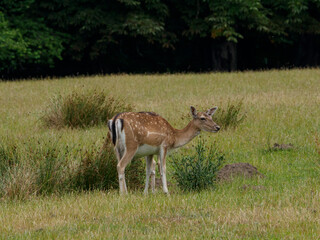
(198, 171)
(230, 117)
(82, 109)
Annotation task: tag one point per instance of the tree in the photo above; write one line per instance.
(100, 30)
(25, 40)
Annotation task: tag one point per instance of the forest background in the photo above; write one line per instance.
(70, 37)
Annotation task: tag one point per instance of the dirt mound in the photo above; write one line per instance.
(237, 169)
(278, 146)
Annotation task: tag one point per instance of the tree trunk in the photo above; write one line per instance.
(224, 56)
(308, 51)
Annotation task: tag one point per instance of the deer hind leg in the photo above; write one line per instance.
(149, 160)
(125, 152)
(125, 160)
(163, 153)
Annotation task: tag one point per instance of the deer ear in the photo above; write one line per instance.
(211, 111)
(193, 112)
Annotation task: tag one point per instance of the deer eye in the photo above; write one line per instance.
(202, 119)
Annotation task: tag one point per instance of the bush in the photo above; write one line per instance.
(232, 116)
(82, 109)
(198, 171)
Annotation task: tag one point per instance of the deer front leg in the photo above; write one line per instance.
(153, 175)
(148, 172)
(163, 153)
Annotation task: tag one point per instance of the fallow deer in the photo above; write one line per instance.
(144, 134)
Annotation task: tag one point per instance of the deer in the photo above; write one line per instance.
(145, 134)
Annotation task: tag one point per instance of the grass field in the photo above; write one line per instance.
(281, 107)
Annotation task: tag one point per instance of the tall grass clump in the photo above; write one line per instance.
(33, 168)
(51, 167)
(9, 157)
(231, 116)
(81, 109)
(197, 171)
(45, 167)
(317, 142)
(98, 170)
(16, 180)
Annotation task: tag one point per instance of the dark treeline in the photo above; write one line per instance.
(68, 37)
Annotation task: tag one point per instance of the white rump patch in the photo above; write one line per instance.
(121, 137)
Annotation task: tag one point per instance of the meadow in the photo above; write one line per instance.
(280, 106)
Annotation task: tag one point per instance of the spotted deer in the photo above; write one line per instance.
(144, 134)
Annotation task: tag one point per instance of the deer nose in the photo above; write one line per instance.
(218, 128)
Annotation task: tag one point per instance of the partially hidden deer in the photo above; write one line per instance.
(144, 134)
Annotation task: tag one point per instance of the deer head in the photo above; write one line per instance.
(203, 120)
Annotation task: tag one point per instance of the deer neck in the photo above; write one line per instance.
(185, 135)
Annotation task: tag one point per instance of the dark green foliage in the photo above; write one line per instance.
(25, 38)
(97, 28)
(197, 171)
(94, 36)
(230, 19)
(230, 117)
(83, 109)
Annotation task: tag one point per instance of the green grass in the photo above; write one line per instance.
(281, 106)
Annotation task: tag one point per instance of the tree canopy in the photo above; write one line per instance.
(96, 36)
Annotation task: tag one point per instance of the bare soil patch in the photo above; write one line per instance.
(282, 146)
(229, 171)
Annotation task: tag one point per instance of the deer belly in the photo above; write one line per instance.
(146, 150)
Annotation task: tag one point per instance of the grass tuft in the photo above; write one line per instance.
(232, 116)
(9, 157)
(82, 109)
